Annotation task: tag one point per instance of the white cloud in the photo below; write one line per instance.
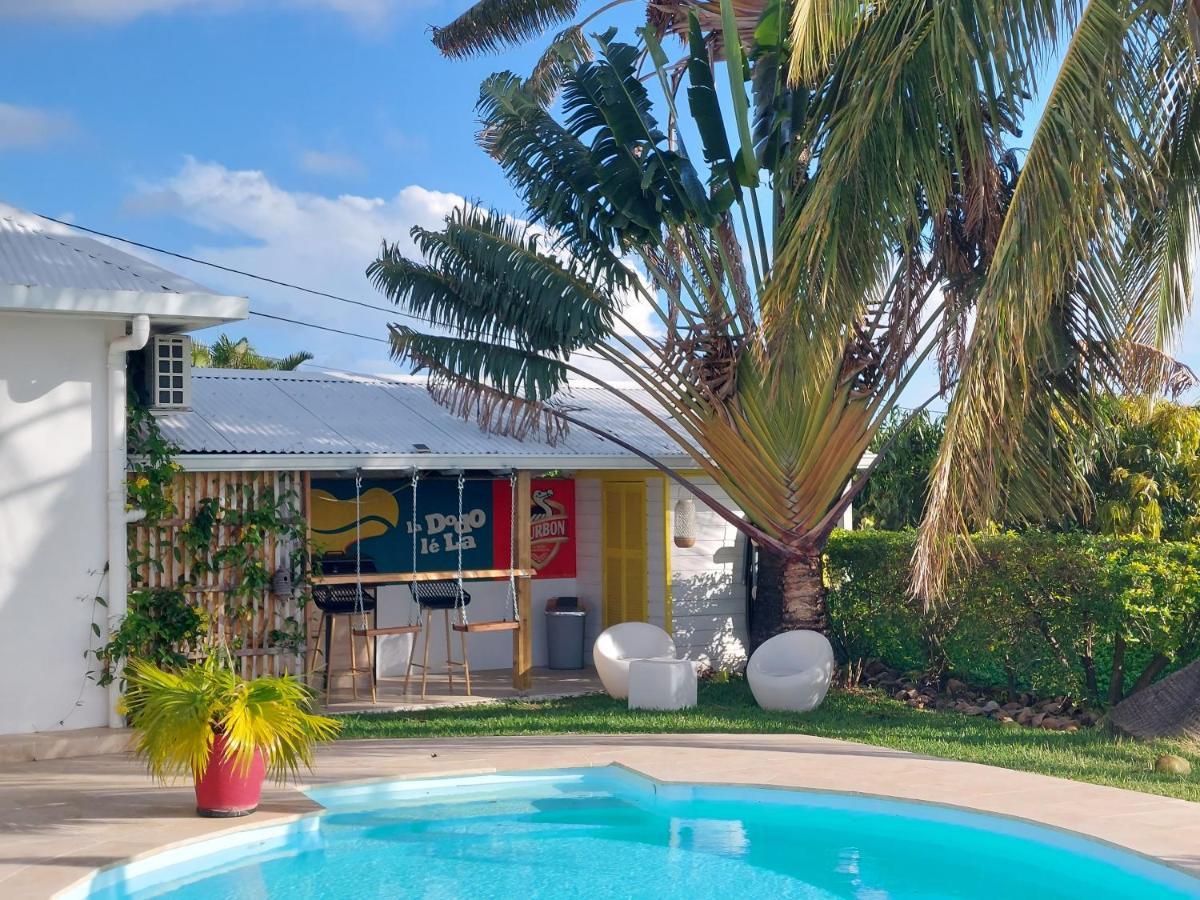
(315, 240)
(318, 241)
(365, 13)
(331, 164)
(28, 126)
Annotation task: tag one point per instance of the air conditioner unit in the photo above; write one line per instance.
(169, 371)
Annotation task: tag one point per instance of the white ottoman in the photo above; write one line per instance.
(662, 683)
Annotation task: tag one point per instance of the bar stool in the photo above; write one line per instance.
(432, 596)
(341, 601)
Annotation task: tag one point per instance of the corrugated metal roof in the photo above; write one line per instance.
(338, 413)
(38, 254)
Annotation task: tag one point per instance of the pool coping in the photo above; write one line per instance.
(1161, 829)
(633, 779)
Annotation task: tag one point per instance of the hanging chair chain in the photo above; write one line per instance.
(358, 591)
(512, 547)
(459, 594)
(412, 527)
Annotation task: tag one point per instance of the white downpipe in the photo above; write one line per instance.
(118, 516)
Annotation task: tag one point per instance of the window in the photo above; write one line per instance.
(170, 371)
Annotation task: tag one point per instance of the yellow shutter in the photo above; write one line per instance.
(626, 587)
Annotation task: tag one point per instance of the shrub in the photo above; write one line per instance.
(1085, 615)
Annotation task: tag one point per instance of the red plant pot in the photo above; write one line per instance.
(226, 790)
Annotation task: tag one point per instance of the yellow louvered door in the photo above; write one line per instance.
(625, 577)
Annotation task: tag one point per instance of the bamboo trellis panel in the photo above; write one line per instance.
(249, 633)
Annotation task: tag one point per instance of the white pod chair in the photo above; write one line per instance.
(791, 671)
(618, 646)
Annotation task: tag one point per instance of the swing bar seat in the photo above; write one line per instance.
(470, 627)
(379, 578)
(375, 631)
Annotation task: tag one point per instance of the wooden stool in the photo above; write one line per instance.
(327, 626)
(343, 601)
(433, 596)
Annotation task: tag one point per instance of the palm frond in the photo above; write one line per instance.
(1051, 317)
(488, 278)
(565, 53)
(510, 370)
(292, 361)
(490, 25)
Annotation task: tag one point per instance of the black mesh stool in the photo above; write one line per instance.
(432, 596)
(337, 601)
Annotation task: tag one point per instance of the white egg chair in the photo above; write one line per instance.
(618, 646)
(791, 671)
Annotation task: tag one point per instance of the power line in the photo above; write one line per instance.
(275, 281)
(233, 271)
(292, 286)
(353, 334)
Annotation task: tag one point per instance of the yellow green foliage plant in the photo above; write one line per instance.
(177, 714)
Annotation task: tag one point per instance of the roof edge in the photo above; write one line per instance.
(341, 462)
(186, 311)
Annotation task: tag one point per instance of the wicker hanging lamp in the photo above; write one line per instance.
(685, 523)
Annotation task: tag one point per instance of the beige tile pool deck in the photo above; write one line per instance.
(62, 818)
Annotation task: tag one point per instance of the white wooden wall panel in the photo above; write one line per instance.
(708, 587)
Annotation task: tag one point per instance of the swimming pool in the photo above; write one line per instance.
(607, 832)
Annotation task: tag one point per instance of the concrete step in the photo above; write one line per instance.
(41, 745)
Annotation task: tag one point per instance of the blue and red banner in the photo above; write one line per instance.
(383, 524)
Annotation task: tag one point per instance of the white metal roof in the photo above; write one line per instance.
(46, 267)
(338, 420)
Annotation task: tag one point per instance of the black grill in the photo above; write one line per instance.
(438, 594)
(342, 599)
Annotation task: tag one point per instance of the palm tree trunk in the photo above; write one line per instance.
(1169, 708)
(789, 595)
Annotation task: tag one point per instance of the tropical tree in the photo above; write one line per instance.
(226, 353)
(862, 211)
(894, 497)
(1147, 477)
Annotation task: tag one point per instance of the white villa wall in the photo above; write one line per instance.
(708, 586)
(708, 589)
(52, 518)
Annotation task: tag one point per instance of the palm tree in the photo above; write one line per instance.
(226, 353)
(862, 211)
(488, 26)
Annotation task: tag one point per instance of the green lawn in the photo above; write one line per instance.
(866, 717)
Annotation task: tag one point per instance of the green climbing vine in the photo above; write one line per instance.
(162, 624)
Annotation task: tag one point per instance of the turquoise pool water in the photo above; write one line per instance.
(606, 833)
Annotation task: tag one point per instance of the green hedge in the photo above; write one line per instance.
(1048, 613)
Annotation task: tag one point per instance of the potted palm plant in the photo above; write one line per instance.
(228, 732)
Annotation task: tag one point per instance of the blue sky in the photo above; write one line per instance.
(286, 137)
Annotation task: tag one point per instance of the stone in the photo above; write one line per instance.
(1011, 707)
(1005, 720)
(991, 706)
(1170, 764)
(954, 686)
(1037, 720)
(1024, 716)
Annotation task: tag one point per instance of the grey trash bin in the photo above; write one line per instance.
(566, 620)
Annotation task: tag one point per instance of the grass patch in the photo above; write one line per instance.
(866, 717)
